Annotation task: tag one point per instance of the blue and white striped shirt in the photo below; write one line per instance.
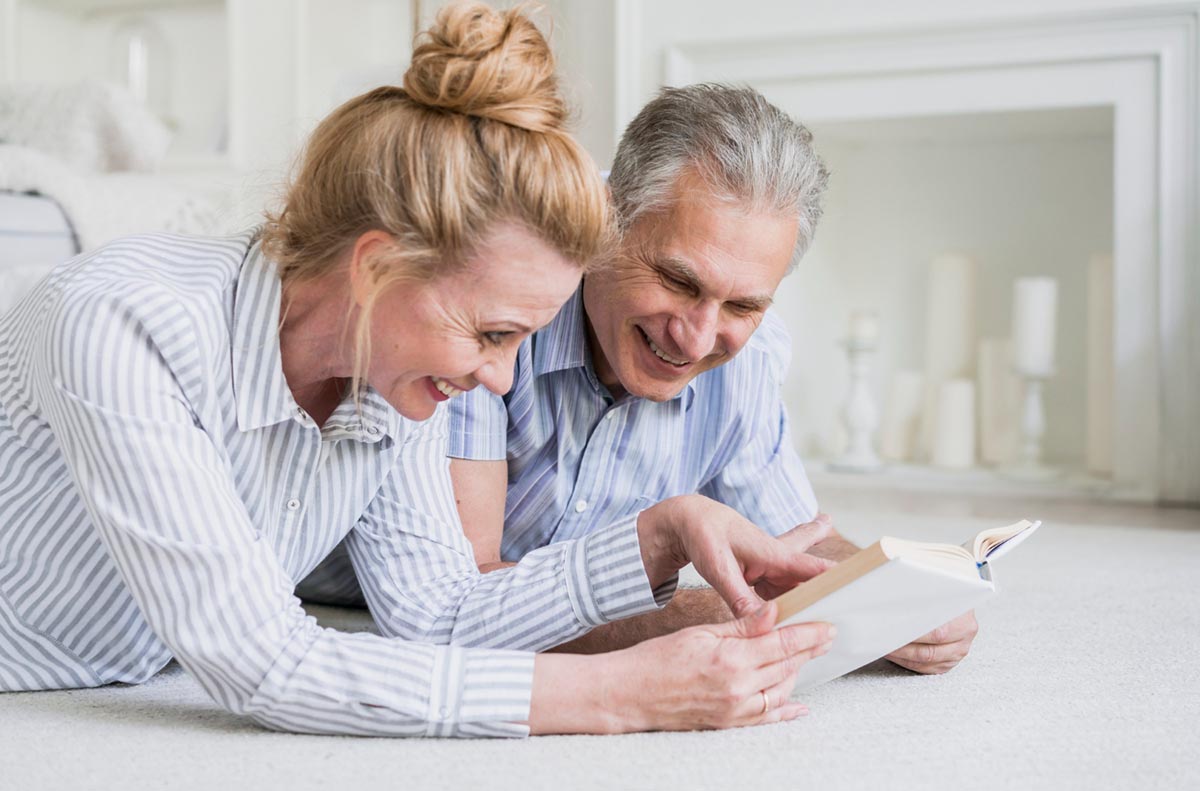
(161, 491)
(578, 461)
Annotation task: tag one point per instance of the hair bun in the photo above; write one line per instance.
(491, 64)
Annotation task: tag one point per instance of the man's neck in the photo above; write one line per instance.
(604, 372)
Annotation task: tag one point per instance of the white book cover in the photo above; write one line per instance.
(891, 593)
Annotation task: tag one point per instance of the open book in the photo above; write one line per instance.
(893, 592)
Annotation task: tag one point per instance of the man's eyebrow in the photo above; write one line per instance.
(681, 269)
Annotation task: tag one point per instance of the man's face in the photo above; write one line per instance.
(686, 292)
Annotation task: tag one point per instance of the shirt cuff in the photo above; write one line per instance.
(477, 447)
(606, 577)
(480, 692)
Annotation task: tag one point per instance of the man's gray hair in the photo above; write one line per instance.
(745, 148)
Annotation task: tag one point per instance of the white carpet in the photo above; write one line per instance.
(1086, 674)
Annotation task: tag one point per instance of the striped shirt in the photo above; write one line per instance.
(161, 491)
(578, 460)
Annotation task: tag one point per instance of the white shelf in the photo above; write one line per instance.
(1070, 484)
(101, 6)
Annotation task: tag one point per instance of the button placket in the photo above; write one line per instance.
(599, 446)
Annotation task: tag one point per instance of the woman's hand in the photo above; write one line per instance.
(743, 564)
(716, 676)
(724, 675)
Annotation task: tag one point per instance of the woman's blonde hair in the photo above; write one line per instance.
(476, 135)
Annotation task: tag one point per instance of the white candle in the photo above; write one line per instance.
(864, 327)
(954, 435)
(1035, 301)
(949, 334)
(902, 416)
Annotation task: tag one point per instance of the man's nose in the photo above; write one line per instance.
(697, 332)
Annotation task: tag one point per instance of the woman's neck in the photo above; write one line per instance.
(312, 343)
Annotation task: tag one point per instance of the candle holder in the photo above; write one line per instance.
(859, 413)
(1033, 426)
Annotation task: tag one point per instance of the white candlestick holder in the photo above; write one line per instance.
(859, 413)
(1029, 464)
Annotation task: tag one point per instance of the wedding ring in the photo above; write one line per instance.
(766, 702)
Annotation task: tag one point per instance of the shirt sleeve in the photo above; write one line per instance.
(160, 493)
(479, 421)
(758, 473)
(418, 572)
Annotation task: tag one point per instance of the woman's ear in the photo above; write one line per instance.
(366, 250)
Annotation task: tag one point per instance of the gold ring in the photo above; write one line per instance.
(766, 702)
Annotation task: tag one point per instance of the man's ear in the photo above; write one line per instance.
(367, 248)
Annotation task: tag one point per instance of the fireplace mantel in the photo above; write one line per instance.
(1140, 61)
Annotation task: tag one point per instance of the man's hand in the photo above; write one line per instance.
(941, 649)
(741, 562)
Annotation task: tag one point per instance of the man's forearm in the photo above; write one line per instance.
(689, 607)
(833, 547)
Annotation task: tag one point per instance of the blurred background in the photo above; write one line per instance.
(1002, 299)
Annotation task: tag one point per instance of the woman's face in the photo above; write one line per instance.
(434, 341)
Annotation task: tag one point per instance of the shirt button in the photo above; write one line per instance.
(580, 506)
(293, 504)
(373, 431)
(444, 713)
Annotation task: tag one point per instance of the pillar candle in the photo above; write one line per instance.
(949, 334)
(902, 416)
(1035, 301)
(954, 435)
(999, 402)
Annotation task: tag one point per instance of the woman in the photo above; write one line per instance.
(187, 426)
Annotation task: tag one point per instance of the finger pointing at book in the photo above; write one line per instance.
(741, 562)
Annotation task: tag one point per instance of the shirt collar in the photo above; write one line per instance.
(260, 389)
(563, 344)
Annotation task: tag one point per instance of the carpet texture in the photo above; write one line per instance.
(1086, 674)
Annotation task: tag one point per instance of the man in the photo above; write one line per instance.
(662, 375)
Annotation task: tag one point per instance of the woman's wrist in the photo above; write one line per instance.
(576, 693)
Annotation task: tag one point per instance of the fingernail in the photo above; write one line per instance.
(824, 648)
(831, 632)
(802, 711)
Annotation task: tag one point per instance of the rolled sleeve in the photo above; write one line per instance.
(609, 579)
(478, 426)
(478, 692)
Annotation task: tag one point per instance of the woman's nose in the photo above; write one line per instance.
(497, 374)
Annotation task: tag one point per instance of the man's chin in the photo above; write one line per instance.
(652, 389)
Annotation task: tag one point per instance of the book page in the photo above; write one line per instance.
(987, 545)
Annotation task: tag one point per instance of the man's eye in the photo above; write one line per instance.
(676, 283)
(741, 309)
(496, 338)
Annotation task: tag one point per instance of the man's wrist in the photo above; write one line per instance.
(658, 537)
